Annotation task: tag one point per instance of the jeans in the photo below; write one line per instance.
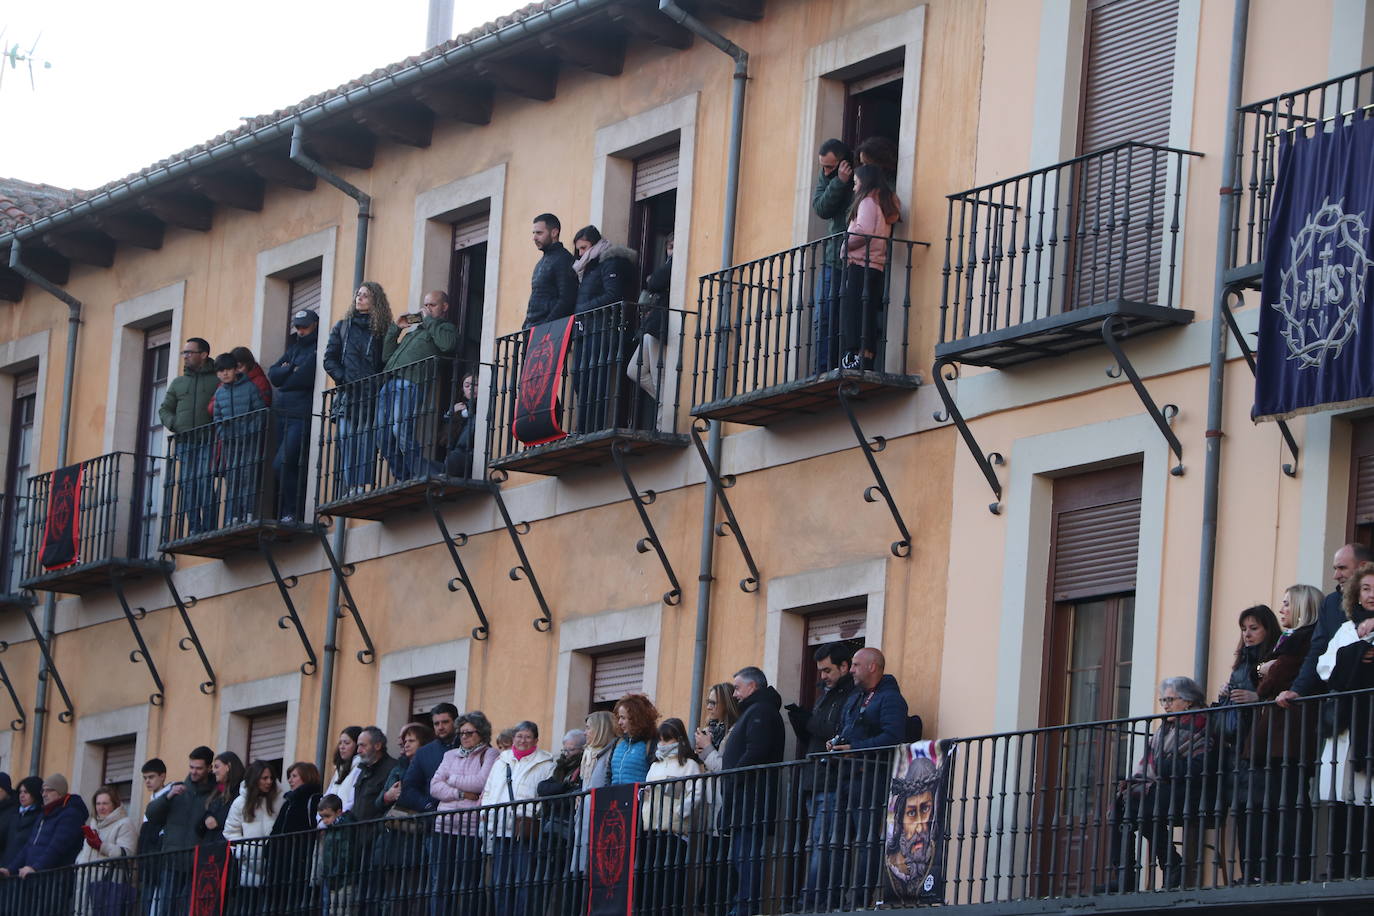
(824, 876)
(824, 325)
(403, 414)
(512, 866)
(287, 465)
(241, 463)
(197, 506)
(455, 873)
(356, 418)
(747, 862)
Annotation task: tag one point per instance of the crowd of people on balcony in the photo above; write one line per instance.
(458, 821)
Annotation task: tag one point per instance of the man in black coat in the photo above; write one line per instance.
(758, 738)
(1329, 620)
(553, 285)
(176, 814)
(814, 730)
(9, 810)
(293, 376)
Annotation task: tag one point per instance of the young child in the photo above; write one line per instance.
(337, 867)
(505, 740)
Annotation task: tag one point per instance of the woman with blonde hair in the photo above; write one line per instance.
(722, 712)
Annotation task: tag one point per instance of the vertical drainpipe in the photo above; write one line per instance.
(727, 255)
(1217, 368)
(40, 704)
(331, 627)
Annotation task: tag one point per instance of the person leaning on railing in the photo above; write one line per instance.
(1164, 789)
(457, 786)
(1281, 754)
(183, 409)
(830, 200)
(399, 848)
(251, 817)
(293, 376)
(722, 712)
(603, 273)
(291, 851)
(757, 739)
(872, 215)
(670, 805)
(238, 443)
(512, 828)
(339, 862)
(1345, 773)
(1259, 633)
(559, 824)
(108, 834)
(56, 841)
(353, 354)
(406, 408)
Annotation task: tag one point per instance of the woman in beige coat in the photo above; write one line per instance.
(109, 834)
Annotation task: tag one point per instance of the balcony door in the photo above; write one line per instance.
(14, 512)
(152, 440)
(1087, 674)
(1118, 208)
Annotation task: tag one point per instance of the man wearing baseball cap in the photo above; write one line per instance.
(294, 378)
(56, 838)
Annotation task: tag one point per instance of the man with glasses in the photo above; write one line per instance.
(185, 408)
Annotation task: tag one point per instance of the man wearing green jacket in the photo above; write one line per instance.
(406, 403)
(830, 201)
(185, 408)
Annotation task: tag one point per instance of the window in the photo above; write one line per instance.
(425, 696)
(873, 106)
(654, 210)
(267, 738)
(152, 444)
(15, 509)
(117, 767)
(1360, 523)
(467, 285)
(848, 624)
(614, 674)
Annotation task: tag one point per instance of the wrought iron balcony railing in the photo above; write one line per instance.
(228, 478)
(13, 516)
(97, 520)
(1034, 263)
(1263, 129)
(774, 334)
(387, 439)
(617, 382)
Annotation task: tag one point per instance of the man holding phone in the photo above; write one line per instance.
(830, 201)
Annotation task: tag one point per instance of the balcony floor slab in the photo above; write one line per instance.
(95, 575)
(1309, 899)
(816, 394)
(1055, 335)
(15, 601)
(380, 503)
(586, 450)
(221, 542)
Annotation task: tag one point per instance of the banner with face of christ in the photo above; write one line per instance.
(912, 840)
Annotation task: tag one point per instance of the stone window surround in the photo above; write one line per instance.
(578, 638)
(396, 671)
(92, 731)
(123, 425)
(239, 701)
(25, 354)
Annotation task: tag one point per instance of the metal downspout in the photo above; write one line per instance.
(40, 705)
(331, 627)
(727, 255)
(1217, 368)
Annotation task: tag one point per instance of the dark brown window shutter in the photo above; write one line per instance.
(1096, 534)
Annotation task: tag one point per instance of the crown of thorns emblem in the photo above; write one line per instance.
(1323, 287)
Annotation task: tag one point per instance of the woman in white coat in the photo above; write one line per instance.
(345, 766)
(1344, 775)
(670, 804)
(513, 829)
(108, 834)
(250, 821)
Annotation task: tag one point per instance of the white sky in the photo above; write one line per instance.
(134, 82)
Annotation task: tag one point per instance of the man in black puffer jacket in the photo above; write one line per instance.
(294, 378)
(758, 738)
(553, 285)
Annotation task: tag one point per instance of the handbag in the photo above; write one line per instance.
(526, 827)
(402, 820)
(644, 363)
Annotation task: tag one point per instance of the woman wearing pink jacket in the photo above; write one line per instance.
(457, 786)
(871, 216)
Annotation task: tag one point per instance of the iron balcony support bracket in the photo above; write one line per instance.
(1290, 469)
(900, 548)
(192, 640)
(51, 668)
(642, 500)
(368, 654)
(544, 622)
(19, 723)
(453, 542)
(720, 483)
(141, 654)
(1161, 415)
(951, 414)
(290, 618)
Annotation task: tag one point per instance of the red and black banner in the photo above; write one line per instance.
(611, 857)
(208, 877)
(537, 408)
(62, 533)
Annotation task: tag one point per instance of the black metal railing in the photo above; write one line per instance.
(395, 427)
(109, 507)
(843, 301)
(1263, 131)
(13, 515)
(235, 471)
(1095, 229)
(620, 372)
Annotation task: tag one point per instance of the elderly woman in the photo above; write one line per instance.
(1280, 753)
(457, 786)
(596, 773)
(1165, 788)
(1345, 776)
(513, 829)
(560, 823)
(108, 834)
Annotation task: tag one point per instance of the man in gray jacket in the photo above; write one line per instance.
(177, 812)
(830, 201)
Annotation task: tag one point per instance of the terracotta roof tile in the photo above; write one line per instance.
(21, 201)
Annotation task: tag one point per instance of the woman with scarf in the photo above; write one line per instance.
(345, 766)
(108, 834)
(512, 819)
(457, 786)
(596, 774)
(601, 333)
(227, 770)
(352, 358)
(722, 712)
(293, 840)
(1280, 754)
(1165, 790)
(668, 807)
(1345, 771)
(399, 849)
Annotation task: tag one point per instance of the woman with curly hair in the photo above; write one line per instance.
(636, 725)
(353, 357)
